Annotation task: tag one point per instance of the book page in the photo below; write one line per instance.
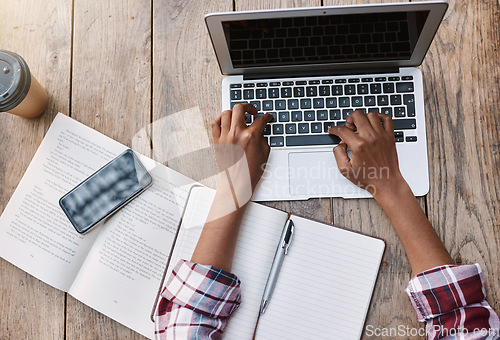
(259, 236)
(324, 286)
(122, 273)
(35, 234)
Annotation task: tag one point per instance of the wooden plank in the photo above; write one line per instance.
(111, 85)
(111, 92)
(186, 87)
(461, 73)
(41, 33)
(390, 306)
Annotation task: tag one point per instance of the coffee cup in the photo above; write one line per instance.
(20, 92)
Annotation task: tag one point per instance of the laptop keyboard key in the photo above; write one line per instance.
(322, 115)
(305, 103)
(235, 94)
(404, 124)
(357, 101)
(267, 105)
(324, 91)
(318, 103)
(331, 102)
(309, 115)
(375, 88)
(370, 101)
(267, 130)
(335, 114)
(234, 103)
(409, 101)
(387, 111)
(388, 87)
(284, 116)
(286, 92)
(327, 125)
(248, 94)
(399, 111)
(346, 113)
(311, 91)
(382, 100)
(274, 92)
(280, 104)
(298, 92)
(312, 140)
(277, 142)
(296, 116)
(261, 94)
(256, 103)
(350, 89)
(293, 104)
(290, 128)
(344, 102)
(404, 87)
(362, 88)
(337, 90)
(303, 127)
(316, 127)
(395, 99)
(277, 129)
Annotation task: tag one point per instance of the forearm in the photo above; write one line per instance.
(420, 241)
(218, 238)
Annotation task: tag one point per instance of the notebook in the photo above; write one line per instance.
(311, 68)
(324, 286)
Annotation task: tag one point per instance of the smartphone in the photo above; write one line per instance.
(105, 191)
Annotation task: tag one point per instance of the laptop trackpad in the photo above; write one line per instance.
(316, 173)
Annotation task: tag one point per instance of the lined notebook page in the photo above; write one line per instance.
(324, 286)
(259, 236)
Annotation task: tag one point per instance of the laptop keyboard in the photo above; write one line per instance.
(303, 111)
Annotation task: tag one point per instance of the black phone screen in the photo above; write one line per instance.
(105, 191)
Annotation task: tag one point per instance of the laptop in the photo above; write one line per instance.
(311, 68)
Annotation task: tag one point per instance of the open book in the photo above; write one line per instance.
(324, 287)
(116, 268)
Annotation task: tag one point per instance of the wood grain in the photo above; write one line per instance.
(111, 92)
(186, 87)
(41, 33)
(461, 77)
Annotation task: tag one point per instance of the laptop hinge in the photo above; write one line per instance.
(316, 73)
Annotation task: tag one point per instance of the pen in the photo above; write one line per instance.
(281, 251)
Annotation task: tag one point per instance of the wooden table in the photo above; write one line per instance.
(118, 66)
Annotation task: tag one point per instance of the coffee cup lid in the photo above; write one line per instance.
(15, 80)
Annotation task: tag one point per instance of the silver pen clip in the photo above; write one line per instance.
(288, 237)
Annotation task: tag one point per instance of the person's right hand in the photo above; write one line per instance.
(374, 162)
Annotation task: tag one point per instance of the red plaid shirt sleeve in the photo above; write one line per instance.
(452, 302)
(196, 302)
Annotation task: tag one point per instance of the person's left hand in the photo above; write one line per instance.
(235, 142)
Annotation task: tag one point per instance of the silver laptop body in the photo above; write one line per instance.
(312, 67)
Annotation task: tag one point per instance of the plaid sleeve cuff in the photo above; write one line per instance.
(442, 289)
(204, 289)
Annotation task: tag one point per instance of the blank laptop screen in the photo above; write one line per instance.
(324, 39)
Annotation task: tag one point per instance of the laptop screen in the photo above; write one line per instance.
(306, 40)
